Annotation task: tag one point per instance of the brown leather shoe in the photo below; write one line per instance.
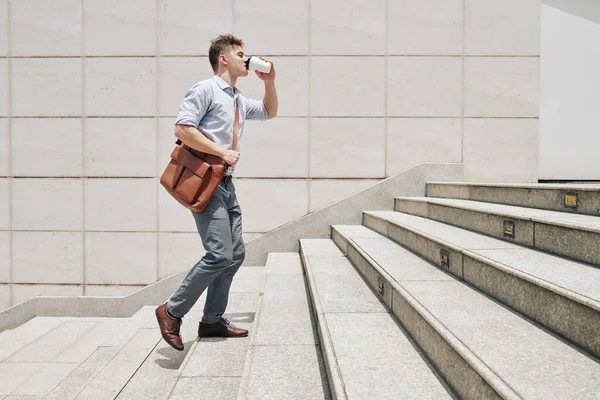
(169, 327)
(223, 328)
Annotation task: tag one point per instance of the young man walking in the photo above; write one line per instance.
(206, 122)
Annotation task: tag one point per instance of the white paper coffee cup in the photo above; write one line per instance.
(254, 63)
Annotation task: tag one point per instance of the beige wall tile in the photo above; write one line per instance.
(4, 102)
(273, 26)
(120, 27)
(411, 141)
(348, 27)
(46, 28)
(172, 216)
(4, 203)
(269, 203)
(425, 27)
(292, 86)
(166, 142)
(120, 204)
(347, 86)
(120, 86)
(424, 86)
(120, 147)
(4, 297)
(501, 150)
(509, 27)
(47, 204)
(111, 258)
(3, 28)
(178, 252)
(46, 87)
(324, 192)
(111, 290)
(5, 257)
(276, 148)
(502, 87)
(22, 293)
(347, 147)
(202, 20)
(47, 147)
(4, 147)
(176, 76)
(47, 257)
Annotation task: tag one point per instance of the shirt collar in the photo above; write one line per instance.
(225, 86)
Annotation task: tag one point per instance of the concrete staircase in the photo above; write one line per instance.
(502, 299)
(474, 292)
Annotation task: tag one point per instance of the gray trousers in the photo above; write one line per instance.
(220, 227)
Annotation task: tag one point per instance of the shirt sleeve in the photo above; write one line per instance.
(255, 109)
(194, 105)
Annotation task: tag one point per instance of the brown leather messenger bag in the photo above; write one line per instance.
(192, 177)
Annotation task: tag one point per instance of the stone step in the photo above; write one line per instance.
(208, 366)
(568, 235)
(125, 358)
(114, 362)
(48, 351)
(215, 366)
(572, 198)
(561, 294)
(14, 340)
(283, 358)
(481, 348)
(367, 355)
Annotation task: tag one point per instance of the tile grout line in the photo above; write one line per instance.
(233, 16)
(385, 90)
(462, 119)
(264, 178)
(83, 150)
(157, 53)
(296, 55)
(279, 116)
(309, 113)
(11, 294)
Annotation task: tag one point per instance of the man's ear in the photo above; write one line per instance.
(222, 59)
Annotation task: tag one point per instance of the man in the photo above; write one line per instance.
(206, 123)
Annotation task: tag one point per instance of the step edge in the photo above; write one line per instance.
(246, 370)
(557, 289)
(571, 335)
(539, 220)
(334, 375)
(549, 186)
(497, 383)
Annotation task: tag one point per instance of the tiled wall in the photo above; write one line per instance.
(89, 90)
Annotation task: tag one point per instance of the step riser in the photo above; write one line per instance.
(452, 366)
(567, 242)
(575, 321)
(545, 199)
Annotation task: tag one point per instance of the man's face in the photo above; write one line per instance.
(236, 61)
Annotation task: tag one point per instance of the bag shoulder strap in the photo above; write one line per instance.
(236, 124)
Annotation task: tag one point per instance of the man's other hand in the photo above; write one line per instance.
(231, 157)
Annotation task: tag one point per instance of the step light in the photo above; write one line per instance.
(570, 200)
(509, 229)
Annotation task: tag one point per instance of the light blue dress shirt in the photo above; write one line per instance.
(210, 107)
